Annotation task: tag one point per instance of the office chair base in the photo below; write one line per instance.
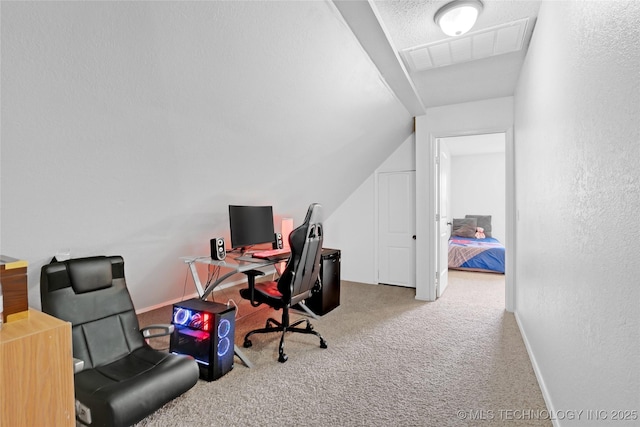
(273, 325)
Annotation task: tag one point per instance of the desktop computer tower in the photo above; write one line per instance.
(205, 330)
(329, 296)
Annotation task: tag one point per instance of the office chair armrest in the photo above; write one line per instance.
(165, 329)
(252, 274)
(251, 279)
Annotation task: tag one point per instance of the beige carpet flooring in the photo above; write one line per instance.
(391, 361)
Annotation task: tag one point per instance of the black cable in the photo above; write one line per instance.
(184, 288)
(212, 276)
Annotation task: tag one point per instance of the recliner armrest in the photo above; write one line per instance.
(166, 329)
(78, 365)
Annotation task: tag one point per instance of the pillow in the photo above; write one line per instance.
(484, 221)
(89, 274)
(464, 227)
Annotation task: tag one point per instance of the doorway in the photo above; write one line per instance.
(470, 180)
(499, 121)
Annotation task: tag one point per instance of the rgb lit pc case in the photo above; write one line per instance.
(205, 330)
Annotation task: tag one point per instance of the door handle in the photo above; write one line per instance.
(414, 237)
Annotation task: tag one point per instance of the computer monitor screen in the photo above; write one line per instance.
(250, 225)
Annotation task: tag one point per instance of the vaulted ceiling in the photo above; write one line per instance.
(442, 70)
(129, 127)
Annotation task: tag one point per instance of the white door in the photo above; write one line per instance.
(396, 228)
(443, 168)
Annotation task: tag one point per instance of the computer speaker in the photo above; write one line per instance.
(277, 241)
(218, 251)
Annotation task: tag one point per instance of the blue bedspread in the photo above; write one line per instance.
(476, 254)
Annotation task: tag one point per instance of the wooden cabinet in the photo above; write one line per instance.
(13, 278)
(36, 372)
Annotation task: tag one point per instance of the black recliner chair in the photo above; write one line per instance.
(298, 280)
(123, 379)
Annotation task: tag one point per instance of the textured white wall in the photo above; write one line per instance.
(128, 127)
(478, 188)
(577, 133)
(352, 227)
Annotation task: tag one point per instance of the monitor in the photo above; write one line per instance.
(250, 225)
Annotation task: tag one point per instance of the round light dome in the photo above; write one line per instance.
(458, 17)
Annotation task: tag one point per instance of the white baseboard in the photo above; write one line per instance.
(536, 370)
(163, 304)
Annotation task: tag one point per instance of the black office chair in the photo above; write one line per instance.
(298, 280)
(123, 379)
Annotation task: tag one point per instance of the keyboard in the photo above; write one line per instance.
(272, 253)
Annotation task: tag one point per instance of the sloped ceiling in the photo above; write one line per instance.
(128, 127)
(409, 25)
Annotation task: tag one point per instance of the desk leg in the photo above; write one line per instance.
(196, 278)
(303, 306)
(242, 357)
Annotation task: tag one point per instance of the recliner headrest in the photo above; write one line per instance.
(89, 274)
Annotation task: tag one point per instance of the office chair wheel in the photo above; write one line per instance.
(323, 344)
(283, 358)
(247, 343)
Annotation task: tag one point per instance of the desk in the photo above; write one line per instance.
(235, 264)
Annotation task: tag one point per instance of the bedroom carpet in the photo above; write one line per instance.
(391, 361)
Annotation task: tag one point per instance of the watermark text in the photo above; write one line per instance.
(543, 414)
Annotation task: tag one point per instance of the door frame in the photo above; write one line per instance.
(441, 284)
(425, 280)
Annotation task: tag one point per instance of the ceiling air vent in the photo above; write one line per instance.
(481, 44)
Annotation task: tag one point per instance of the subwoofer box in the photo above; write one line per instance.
(329, 296)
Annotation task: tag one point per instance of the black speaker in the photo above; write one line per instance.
(205, 330)
(277, 242)
(218, 250)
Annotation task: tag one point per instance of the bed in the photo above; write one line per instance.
(467, 253)
(471, 246)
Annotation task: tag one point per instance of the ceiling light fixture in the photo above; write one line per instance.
(458, 17)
